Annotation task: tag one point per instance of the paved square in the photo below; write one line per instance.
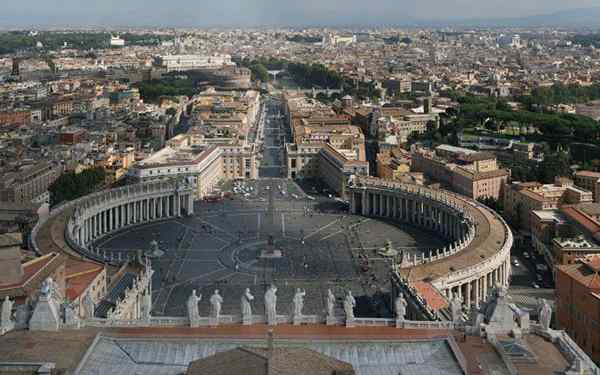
(220, 248)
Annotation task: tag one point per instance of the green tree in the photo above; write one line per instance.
(71, 186)
(554, 165)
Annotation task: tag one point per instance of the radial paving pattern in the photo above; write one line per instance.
(220, 248)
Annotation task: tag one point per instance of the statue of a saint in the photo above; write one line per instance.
(349, 304)
(545, 315)
(146, 306)
(71, 318)
(216, 301)
(247, 298)
(456, 308)
(88, 306)
(271, 305)
(192, 306)
(330, 303)
(299, 301)
(47, 287)
(400, 307)
(6, 317)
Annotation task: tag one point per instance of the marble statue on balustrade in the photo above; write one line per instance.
(330, 304)
(456, 309)
(192, 308)
(71, 317)
(246, 301)
(216, 302)
(298, 302)
(146, 306)
(544, 315)
(46, 314)
(401, 306)
(477, 320)
(6, 321)
(22, 315)
(271, 305)
(349, 304)
(88, 306)
(499, 315)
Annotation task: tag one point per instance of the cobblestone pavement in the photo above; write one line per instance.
(220, 248)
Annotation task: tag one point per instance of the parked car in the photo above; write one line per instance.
(526, 255)
(535, 286)
(516, 263)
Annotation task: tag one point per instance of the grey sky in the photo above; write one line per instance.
(206, 13)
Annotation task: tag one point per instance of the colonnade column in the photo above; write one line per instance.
(190, 204)
(485, 285)
(468, 299)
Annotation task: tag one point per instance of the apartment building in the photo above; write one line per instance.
(29, 183)
(578, 303)
(590, 181)
(467, 172)
(522, 198)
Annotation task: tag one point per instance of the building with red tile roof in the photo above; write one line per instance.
(84, 277)
(578, 303)
(34, 273)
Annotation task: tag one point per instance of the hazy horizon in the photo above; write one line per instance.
(232, 13)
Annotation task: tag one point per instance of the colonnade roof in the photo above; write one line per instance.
(490, 235)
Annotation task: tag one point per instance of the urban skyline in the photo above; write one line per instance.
(416, 195)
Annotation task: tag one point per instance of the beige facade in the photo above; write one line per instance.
(208, 164)
(28, 184)
(467, 172)
(239, 162)
(335, 169)
(590, 181)
(520, 199)
(303, 160)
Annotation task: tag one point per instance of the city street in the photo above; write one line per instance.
(273, 141)
(526, 286)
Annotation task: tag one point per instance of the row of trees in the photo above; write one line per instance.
(308, 76)
(73, 185)
(299, 38)
(552, 126)
(13, 41)
(151, 91)
(587, 40)
(559, 94)
(555, 164)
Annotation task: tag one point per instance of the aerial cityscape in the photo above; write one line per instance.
(307, 188)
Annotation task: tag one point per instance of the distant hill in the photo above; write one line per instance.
(572, 18)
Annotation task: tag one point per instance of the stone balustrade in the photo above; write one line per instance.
(261, 319)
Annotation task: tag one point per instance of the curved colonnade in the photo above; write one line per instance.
(478, 258)
(90, 218)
